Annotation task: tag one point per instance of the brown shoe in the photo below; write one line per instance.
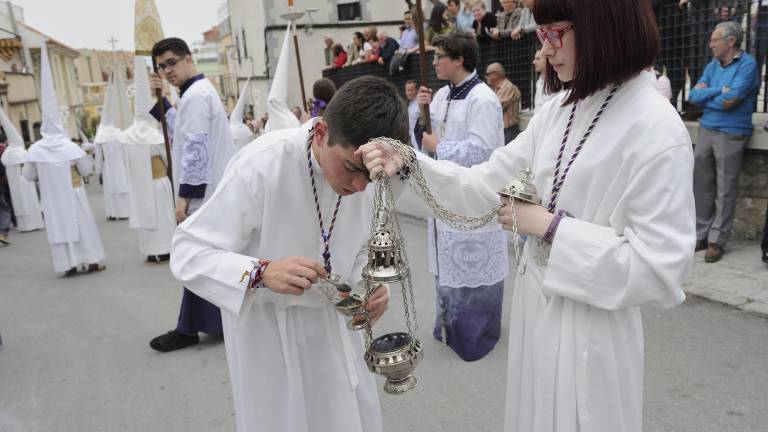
(701, 245)
(714, 253)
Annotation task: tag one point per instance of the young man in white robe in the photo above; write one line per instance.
(469, 268)
(256, 247)
(202, 146)
(151, 195)
(616, 229)
(26, 204)
(110, 163)
(60, 165)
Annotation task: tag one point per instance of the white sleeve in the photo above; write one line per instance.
(477, 147)
(648, 260)
(206, 253)
(85, 165)
(29, 171)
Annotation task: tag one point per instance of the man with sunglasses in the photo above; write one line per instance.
(202, 146)
(467, 126)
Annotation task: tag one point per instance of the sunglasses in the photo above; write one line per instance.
(553, 36)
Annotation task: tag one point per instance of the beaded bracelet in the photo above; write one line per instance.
(549, 236)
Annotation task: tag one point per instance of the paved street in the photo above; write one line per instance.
(75, 355)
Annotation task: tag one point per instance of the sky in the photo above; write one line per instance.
(90, 23)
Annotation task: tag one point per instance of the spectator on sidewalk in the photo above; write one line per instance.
(387, 47)
(509, 98)
(527, 23)
(328, 50)
(409, 38)
(508, 20)
(356, 50)
(339, 57)
(727, 93)
(439, 23)
(484, 23)
(454, 9)
(411, 91)
(465, 19)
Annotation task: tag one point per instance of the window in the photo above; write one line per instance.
(350, 11)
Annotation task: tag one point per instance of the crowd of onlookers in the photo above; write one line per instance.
(372, 45)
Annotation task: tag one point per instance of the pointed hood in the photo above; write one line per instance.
(241, 133)
(108, 131)
(280, 115)
(55, 146)
(15, 154)
(145, 129)
(123, 114)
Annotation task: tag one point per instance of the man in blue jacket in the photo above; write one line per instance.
(727, 93)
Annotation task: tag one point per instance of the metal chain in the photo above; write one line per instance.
(516, 239)
(454, 220)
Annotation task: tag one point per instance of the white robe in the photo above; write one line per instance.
(473, 130)
(151, 200)
(71, 227)
(26, 204)
(109, 156)
(200, 133)
(293, 364)
(576, 337)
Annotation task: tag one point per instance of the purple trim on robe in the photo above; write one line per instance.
(188, 83)
(155, 111)
(198, 315)
(472, 318)
(192, 191)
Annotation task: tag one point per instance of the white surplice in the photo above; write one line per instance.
(202, 140)
(109, 157)
(471, 131)
(70, 225)
(293, 364)
(576, 337)
(26, 204)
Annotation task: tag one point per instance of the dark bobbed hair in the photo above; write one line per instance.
(175, 45)
(436, 20)
(364, 108)
(614, 42)
(323, 89)
(459, 44)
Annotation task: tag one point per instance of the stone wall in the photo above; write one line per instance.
(753, 195)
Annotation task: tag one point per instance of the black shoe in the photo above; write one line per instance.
(163, 257)
(95, 268)
(111, 219)
(152, 258)
(701, 245)
(172, 341)
(71, 272)
(765, 256)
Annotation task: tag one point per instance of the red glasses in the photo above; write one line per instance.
(554, 36)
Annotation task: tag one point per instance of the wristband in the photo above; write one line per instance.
(256, 275)
(549, 235)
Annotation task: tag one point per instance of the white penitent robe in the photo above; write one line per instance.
(151, 203)
(115, 179)
(294, 366)
(70, 225)
(576, 337)
(26, 205)
(471, 131)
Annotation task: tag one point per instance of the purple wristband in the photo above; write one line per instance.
(549, 236)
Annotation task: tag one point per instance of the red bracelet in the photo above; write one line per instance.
(256, 275)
